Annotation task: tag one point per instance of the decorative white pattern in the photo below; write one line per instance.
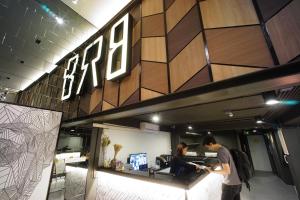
(27, 142)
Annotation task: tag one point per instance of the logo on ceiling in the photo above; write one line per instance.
(117, 62)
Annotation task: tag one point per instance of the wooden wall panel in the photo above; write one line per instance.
(149, 94)
(96, 101)
(221, 72)
(201, 78)
(176, 12)
(111, 92)
(187, 63)
(130, 84)
(284, 29)
(154, 49)
(136, 33)
(153, 25)
(136, 54)
(168, 3)
(155, 76)
(183, 32)
(238, 46)
(151, 7)
(269, 8)
(107, 106)
(223, 13)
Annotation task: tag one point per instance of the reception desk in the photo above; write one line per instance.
(140, 185)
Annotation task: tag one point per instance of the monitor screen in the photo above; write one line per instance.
(138, 161)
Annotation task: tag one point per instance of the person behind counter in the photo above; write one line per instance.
(232, 185)
(179, 166)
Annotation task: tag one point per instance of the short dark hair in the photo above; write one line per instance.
(180, 148)
(209, 140)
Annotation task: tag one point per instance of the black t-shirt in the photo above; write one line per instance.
(180, 167)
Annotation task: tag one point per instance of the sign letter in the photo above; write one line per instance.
(69, 78)
(118, 49)
(84, 66)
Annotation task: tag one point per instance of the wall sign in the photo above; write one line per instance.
(117, 62)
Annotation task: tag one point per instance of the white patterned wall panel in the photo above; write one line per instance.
(28, 138)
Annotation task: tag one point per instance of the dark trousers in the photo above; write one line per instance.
(231, 192)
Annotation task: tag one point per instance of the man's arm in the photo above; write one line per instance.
(224, 171)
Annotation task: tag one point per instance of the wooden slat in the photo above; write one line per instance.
(221, 72)
(151, 7)
(284, 29)
(148, 94)
(187, 63)
(154, 49)
(176, 12)
(238, 46)
(223, 13)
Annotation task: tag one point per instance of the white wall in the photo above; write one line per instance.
(259, 153)
(135, 141)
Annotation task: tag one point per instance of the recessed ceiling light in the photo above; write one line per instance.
(59, 20)
(155, 118)
(190, 127)
(259, 121)
(254, 131)
(272, 102)
(208, 132)
(72, 130)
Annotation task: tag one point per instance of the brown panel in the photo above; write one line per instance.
(201, 78)
(136, 33)
(183, 32)
(168, 3)
(149, 94)
(221, 13)
(154, 49)
(176, 12)
(221, 72)
(153, 26)
(151, 7)
(135, 98)
(136, 54)
(96, 99)
(155, 76)
(284, 29)
(111, 92)
(84, 105)
(136, 14)
(238, 46)
(187, 63)
(107, 106)
(269, 7)
(130, 84)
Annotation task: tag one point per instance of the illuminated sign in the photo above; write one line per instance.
(117, 62)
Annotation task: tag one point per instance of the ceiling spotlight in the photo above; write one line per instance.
(270, 98)
(254, 131)
(190, 127)
(229, 113)
(155, 118)
(59, 20)
(259, 121)
(208, 132)
(72, 130)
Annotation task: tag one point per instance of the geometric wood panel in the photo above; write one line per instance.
(96, 101)
(238, 46)
(155, 76)
(136, 33)
(130, 84)
(284, 29)
(176, 12)
(183, 32)
(107, 106)
(151, 7)
(153, 26)
(223, 13)
(111, 90)
(168, 3)
(269, 7)
(134, 98)
(187, 63)
(154, 49)
(202, 77)
(221, 72)
(149, 94)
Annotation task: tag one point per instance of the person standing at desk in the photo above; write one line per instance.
(179, 166)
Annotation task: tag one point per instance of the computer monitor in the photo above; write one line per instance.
(138, 161)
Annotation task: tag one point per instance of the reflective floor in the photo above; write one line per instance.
(266, 186)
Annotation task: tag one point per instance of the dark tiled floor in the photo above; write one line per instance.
(266, 186)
